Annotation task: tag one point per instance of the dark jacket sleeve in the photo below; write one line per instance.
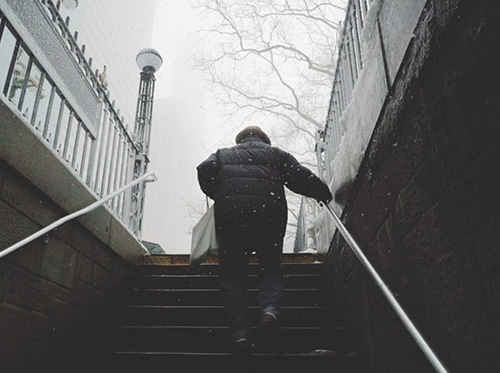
(208, 171)
(301, 180)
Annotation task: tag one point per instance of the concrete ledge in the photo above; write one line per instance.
(184, 259)
(398, 20)
(26, 151)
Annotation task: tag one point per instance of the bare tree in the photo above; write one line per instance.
(272, 62)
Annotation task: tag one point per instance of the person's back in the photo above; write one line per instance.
(248, 178)
(247, 183)
(250, 185)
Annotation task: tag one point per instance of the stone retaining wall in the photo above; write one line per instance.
(50, 287)
(425, 203)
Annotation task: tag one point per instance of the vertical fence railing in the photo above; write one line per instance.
(300, 243)
(349, 67)
(102, 159)
(31, 90)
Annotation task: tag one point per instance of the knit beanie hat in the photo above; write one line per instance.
(252, 131)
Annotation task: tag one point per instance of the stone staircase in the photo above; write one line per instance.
(169, 318)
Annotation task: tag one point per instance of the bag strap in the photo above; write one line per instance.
(217, 159)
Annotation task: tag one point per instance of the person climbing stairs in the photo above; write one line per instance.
(169, 318)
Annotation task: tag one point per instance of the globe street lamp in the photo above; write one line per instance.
(70, 4)
(149, 61)
(149, 58)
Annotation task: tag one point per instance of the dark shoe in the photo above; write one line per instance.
(241, 347)
(269, 335)
(269, 320)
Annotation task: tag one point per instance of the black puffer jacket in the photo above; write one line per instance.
(248, 179)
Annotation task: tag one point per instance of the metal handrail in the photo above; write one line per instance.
(431, 356)
(151, 177)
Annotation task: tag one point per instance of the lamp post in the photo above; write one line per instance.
(149, 61)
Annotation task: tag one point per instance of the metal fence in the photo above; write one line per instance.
(101, 154)
(360, 15)
(349, 67)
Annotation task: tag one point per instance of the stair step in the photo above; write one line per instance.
(127, 361)
(197, 281)
(211, 297)
(170, 318)
(214, 315)
(183, 259)
(208, 339)
(213, 269)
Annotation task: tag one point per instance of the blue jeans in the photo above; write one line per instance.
(237, 242)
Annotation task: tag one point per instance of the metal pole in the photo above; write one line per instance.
(146, 178)
(149, 61)
(431, 356)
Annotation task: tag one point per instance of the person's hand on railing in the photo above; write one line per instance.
(325, 197)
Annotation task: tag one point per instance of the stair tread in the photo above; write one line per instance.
(191, 290)
(211, 281)
(216, 327)
(207, 338)
(214, 269)
(133, 361)
(188, 353)
(216, 306)
(212, 275)
(172, 316)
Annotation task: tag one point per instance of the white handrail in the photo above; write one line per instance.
(151, 177)
(431, 356)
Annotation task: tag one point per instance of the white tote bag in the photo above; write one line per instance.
(204, 240)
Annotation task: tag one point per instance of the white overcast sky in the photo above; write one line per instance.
(185, 129)
(186, 125)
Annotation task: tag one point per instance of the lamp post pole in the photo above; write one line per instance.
(149, 61)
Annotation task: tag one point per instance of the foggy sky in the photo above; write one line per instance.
(183, 132)
(186, 129)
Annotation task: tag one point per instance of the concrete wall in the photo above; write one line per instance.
(51, 286)
(425, 202)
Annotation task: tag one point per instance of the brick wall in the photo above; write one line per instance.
(425, 203)
(51, 286)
